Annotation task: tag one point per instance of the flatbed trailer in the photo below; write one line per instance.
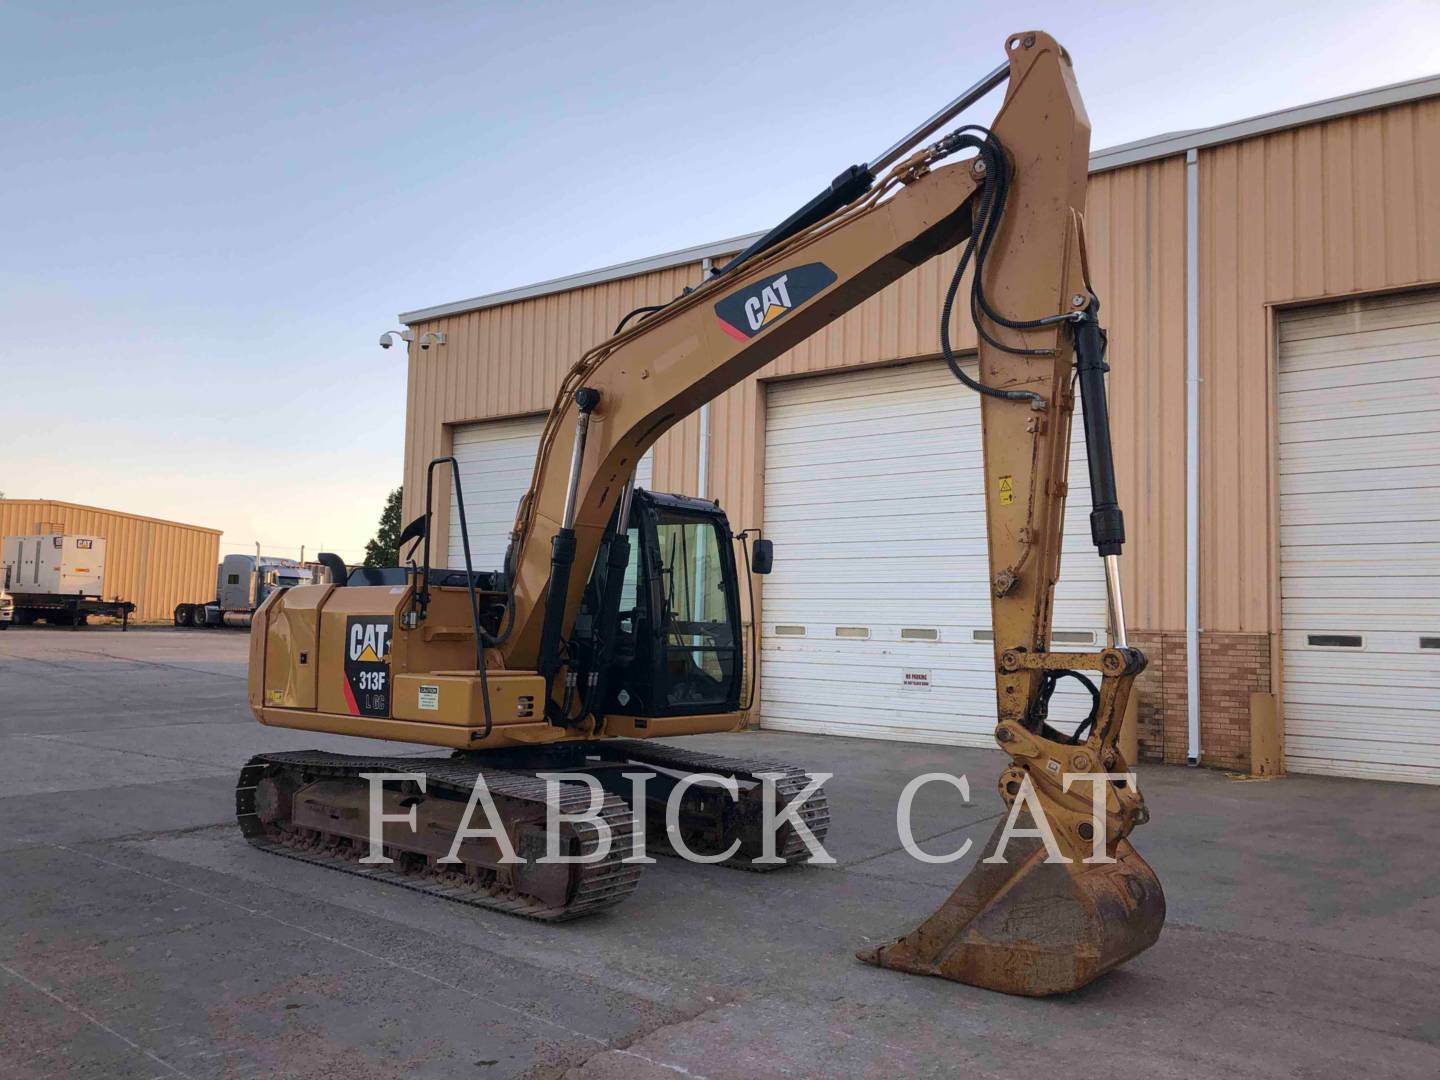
(72, 611)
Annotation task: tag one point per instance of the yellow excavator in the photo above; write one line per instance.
(616, 619)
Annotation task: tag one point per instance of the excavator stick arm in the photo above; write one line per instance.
(1040, 925)
(1028, 922)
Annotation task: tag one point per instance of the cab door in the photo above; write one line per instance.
(692, 625)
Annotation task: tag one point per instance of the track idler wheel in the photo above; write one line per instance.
(1031, 927)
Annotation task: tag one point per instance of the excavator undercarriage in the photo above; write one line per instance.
(617, 617)
(315, 806)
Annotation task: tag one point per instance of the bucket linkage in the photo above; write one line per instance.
(1049, 906)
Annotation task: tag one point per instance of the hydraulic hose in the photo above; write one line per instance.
(993, 167)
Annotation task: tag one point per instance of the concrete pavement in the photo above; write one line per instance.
(140, 936)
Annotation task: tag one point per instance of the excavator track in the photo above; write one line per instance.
(742, 821)
(589, 887)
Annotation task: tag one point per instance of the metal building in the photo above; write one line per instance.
(155, 564)
(1272, 292)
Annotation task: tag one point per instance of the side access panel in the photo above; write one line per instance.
(292, 647)
(357, 638)
(454, 699)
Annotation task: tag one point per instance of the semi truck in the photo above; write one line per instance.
(58, 579)
(242, 584)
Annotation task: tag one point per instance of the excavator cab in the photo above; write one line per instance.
(664, 639)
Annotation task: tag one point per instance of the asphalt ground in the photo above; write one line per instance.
(140, 936)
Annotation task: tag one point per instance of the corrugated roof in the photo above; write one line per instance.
(116, 513)
(1114, 157)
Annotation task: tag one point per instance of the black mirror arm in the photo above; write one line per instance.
(414, 531)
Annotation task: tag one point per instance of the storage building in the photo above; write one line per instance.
(155, 564)
(1285, 268)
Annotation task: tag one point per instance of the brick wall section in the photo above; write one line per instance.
(1150, 689)
(1232, 667)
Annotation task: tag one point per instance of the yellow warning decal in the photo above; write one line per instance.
(1007, 490)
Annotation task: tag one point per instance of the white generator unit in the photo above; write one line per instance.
(54, 564)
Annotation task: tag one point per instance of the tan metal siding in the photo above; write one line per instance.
(156, 564)
(677, 458)
(901, 321)
(508, 360)
(493, 363)
(1135, 226)
(737, 452)
(737, 457)
(1330, 209)
(1136, 231)
(1347, 206)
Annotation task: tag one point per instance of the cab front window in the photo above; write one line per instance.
(696, 619)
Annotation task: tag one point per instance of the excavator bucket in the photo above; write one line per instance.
(1031, 927)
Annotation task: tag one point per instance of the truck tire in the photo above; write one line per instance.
(202, 615)
(184, 614)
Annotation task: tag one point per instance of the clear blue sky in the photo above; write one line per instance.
(209, 212)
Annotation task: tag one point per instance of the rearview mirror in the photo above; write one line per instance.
(762, 555)
(414, 531)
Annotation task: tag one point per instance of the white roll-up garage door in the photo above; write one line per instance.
(1360, 537)
(876, 619)
(497, 458)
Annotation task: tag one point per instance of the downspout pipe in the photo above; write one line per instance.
(1192, 455)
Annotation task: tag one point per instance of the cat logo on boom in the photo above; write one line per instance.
(746, 313)
(773, 301)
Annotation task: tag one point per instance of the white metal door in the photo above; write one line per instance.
(876, 619)
(1359, 410)
(497, 458)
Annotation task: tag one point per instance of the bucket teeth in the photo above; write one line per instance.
(1030, 927)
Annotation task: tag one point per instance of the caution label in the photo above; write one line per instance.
(429, 697)
(1007, 490)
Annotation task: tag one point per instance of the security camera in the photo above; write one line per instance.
(388, 338)
(426, 340)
